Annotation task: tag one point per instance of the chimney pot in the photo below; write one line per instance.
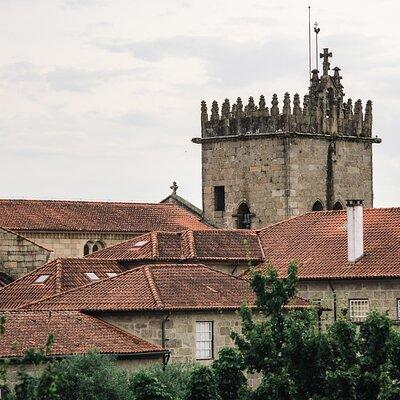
(355, 230)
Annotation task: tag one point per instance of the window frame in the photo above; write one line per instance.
(211, 341)
(219, 198)
(358, 319)
(398, 309)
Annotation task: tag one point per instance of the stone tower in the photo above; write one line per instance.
(261, 165)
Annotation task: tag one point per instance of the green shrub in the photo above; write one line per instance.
(88, 377)
(202, 385)
(175, 377)
(228, 374)
(147, 387)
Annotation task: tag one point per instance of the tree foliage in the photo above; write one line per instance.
(298, 361)
(202, 385)
(147, 387)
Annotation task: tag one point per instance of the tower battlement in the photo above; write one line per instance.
(323, 111)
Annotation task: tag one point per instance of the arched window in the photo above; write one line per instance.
(91, 247)
(338, 206)
(244, 217)
(317, 206)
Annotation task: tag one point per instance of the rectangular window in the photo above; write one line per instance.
(359, 309)
(398, 309)
(204, 340)
(219, 198)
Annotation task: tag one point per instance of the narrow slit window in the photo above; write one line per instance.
(204, 340)
(219, 198)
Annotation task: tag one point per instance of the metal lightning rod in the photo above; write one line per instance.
(309, 41)
(316, 30)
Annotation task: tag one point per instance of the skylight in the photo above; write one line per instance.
(92, 276)
(141, 243)
(111, 274)
(42, 278)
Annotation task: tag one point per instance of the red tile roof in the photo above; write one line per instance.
(157, 287)
(74, 333)
(210, 244)
(318, 242)
(65, 274)
(59, 215)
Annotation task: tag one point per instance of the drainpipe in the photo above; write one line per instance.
(334, 301)
(164, 340)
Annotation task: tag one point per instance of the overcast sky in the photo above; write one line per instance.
(99, 99)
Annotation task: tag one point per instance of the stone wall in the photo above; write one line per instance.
(381, 293)
(18, 256)
(282, 175)
(180, 330)
(71, 244)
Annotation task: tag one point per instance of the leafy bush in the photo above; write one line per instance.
(147, 387)
(175, 377)
(88, 377)
(202, 385)
(228, 374)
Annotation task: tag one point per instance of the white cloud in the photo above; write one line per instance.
(100, 99)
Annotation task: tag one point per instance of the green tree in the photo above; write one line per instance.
(89, 377)
(228, 371)
(202, 385)
(147, 387)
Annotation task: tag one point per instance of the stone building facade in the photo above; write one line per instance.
(179, 329)
(260, 165)
(19, 255)
(341, 296)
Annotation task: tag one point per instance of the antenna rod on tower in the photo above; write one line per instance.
(309, 41)
(316, 30)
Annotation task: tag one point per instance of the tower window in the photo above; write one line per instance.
(219, 198)
(317, 206)
(338, 206)
(244, 217)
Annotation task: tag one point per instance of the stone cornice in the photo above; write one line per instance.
(251, 136)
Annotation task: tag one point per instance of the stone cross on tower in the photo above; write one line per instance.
(326, 65)
(174, 187)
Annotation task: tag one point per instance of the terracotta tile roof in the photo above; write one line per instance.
(59, 215)
(64, 274)
(74, 333)
(318, 242)
(157, 287)
(210, 244)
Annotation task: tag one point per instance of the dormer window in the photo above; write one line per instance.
(42, 278)
(92, 276)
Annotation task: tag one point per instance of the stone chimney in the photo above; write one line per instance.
(355, 230)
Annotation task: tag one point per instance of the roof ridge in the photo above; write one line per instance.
(58, 275)
(90, 201)
(153, 287)
(154, 244)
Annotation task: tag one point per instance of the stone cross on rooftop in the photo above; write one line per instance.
(174, 187)
(326, 65)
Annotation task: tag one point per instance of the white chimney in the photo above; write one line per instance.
(355, 230)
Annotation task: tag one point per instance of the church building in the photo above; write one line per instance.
(262, 165)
